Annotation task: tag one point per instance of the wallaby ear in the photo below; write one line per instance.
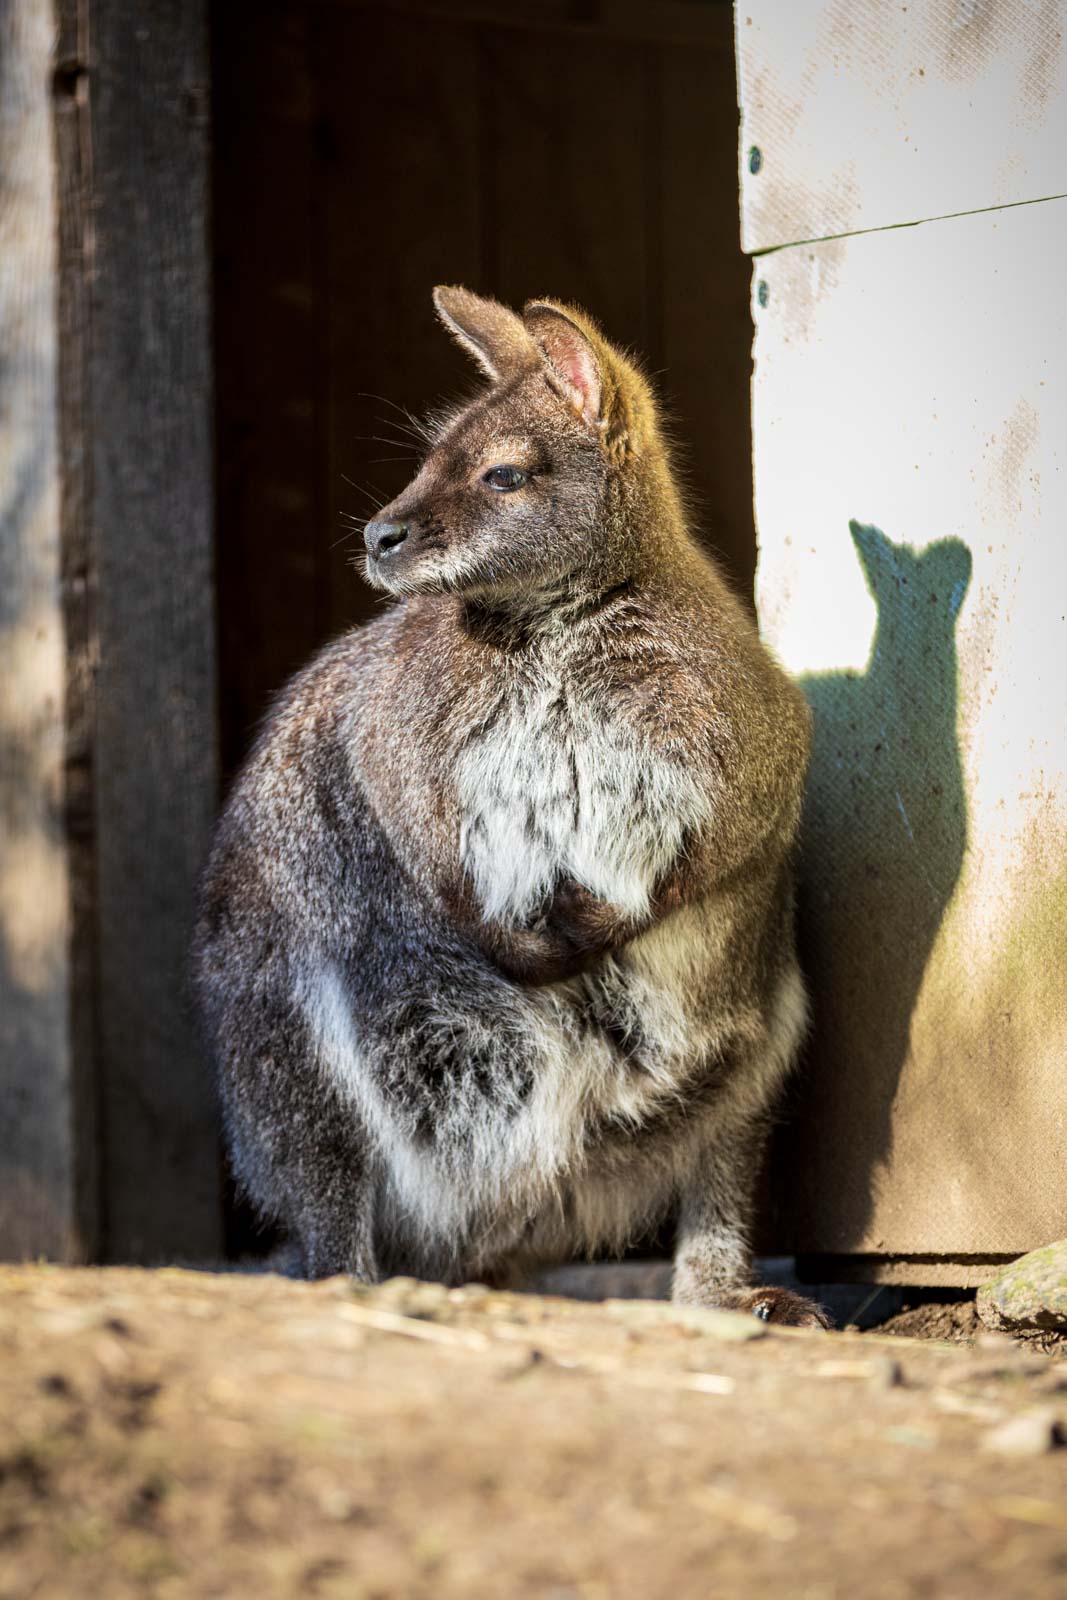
(878, 555)
(488, 331)
(571, 357)
(948, 565)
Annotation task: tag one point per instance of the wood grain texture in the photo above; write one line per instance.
(700, 284)
(270, 372)
(909, 383)
(401, 197)
(73, 221)
(155, 758)
(866, 115)
(38, 1183)
(681, 21)
(569, 179)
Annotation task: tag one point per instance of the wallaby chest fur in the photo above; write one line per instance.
(558, 755)
(496, 952)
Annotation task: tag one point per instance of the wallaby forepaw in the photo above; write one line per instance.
(783, 1308)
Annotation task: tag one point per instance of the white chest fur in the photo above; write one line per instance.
(557, 786)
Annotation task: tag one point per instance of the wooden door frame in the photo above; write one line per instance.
(127, 1152)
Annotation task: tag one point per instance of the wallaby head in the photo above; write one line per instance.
(918, 595)
(557, 472)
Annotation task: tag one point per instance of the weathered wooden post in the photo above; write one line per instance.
(43, 1207)
(107, 705)
(910, 443)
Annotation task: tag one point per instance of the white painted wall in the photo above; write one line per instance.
(910, 458)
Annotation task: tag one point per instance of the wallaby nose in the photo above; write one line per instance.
(380, 537)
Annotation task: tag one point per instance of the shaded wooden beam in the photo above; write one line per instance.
(149, 443)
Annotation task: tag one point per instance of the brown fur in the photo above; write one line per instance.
(588, 771)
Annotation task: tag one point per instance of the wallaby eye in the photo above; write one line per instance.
(505, 478)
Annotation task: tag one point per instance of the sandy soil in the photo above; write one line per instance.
(182, 1434)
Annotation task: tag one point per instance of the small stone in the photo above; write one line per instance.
(1030, 1295)
(962, 1405)
(111, 1354)
(1032, 1433)
(527, 1363)
(336, 1504)
(996, 1343)
(411, 1297)
(886, 1373)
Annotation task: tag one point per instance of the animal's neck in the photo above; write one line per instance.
(528, 620)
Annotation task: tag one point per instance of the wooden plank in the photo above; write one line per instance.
(928, 1272)
(155, 758)
(399, 209)
(701, 285)
(38, 1186)
(863, 115)
(269, 364)
(680, 21)
(73, 150)
(567, 142)
(911, 382)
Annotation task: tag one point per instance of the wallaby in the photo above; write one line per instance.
(496, 949)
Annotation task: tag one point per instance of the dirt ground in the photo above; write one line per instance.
(956, 1321)
(183, 1434)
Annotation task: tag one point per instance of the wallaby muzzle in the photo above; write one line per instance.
(382, 537)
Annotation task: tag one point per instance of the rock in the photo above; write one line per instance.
(1032, 1433)
(1029, 1296)
(408, 1297)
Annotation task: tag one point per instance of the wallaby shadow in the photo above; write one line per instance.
(883, 841)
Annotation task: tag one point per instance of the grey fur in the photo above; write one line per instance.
(496, 949)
